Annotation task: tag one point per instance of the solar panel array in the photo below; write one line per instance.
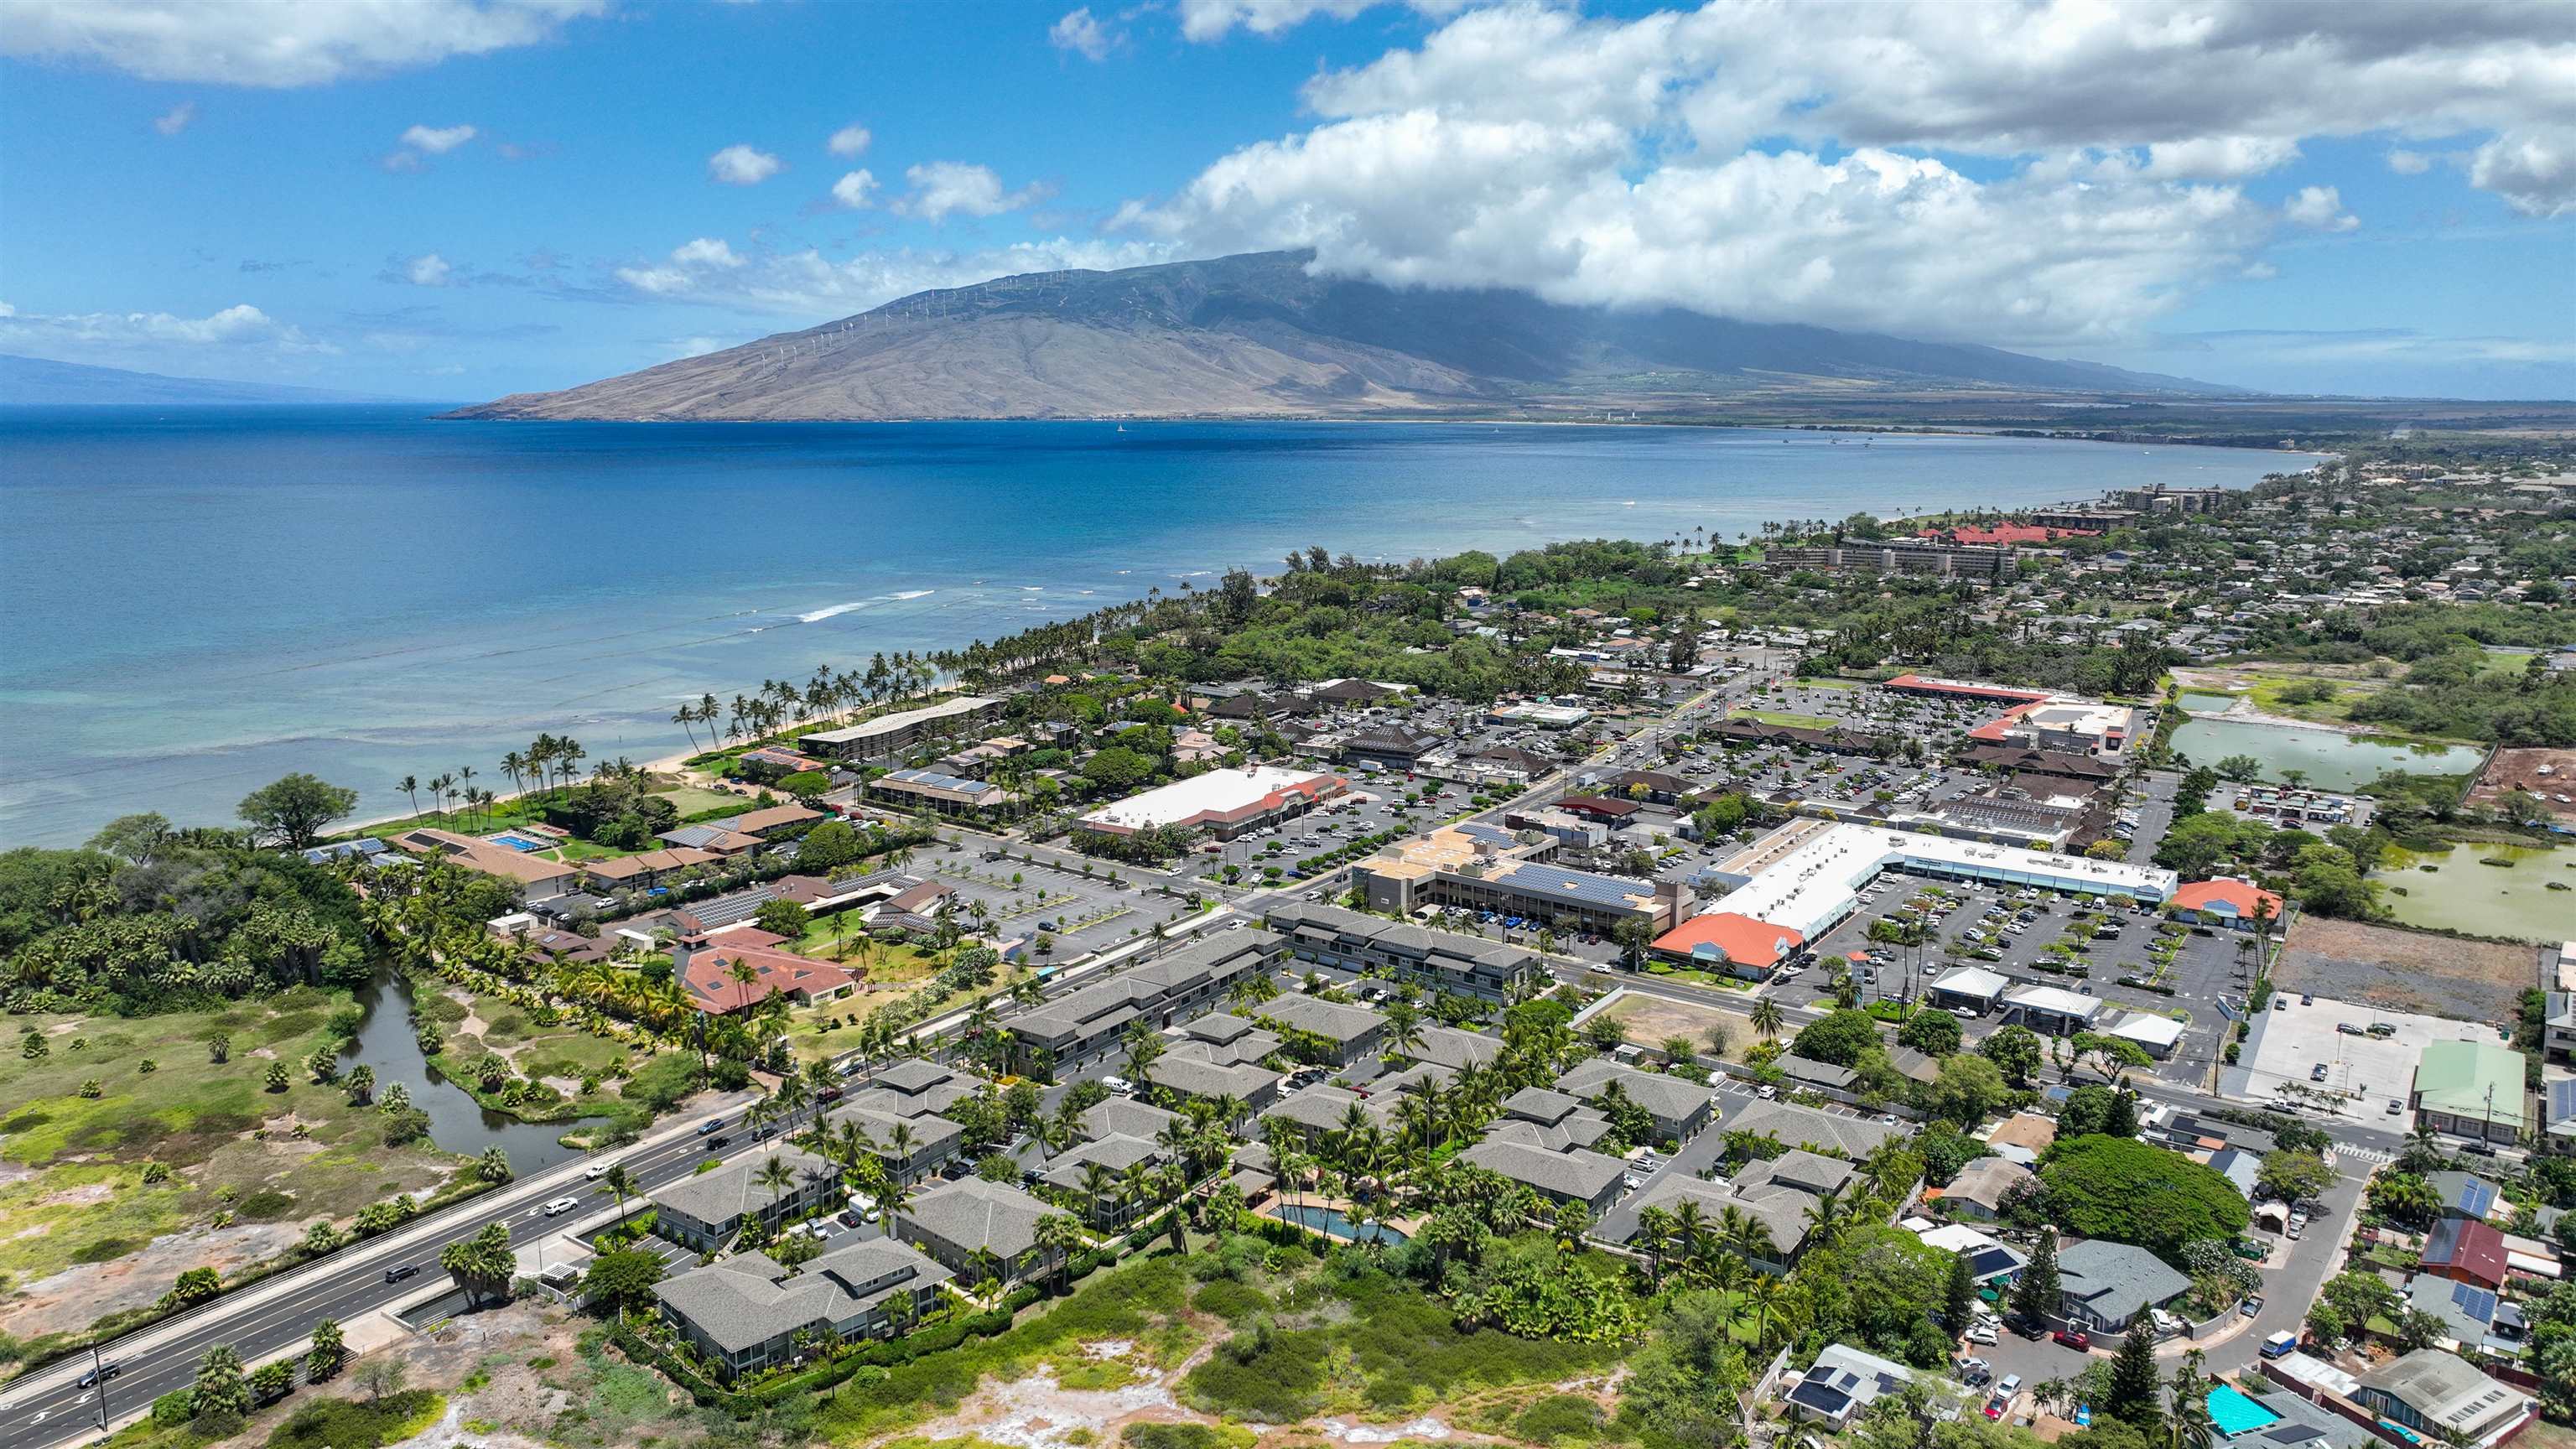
(932, 779)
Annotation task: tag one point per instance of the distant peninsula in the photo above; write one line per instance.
(43, 382)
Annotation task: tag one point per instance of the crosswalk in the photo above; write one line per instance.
(2348, 1155)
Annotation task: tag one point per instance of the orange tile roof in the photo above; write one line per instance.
(2237, 896)
(1743, 939)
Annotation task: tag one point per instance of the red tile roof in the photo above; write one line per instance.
(2227, 896)
(711, 984)
(1744, 940)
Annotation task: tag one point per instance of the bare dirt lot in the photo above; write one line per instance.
(1647, 1020)
(2405, 970)
(2545, 774)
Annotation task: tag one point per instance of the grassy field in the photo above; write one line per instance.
(561, 1056)
(833, 1027)
(87, 1200)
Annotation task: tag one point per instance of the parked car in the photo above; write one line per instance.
(2074, 1338)
(2252, 1305)
(1981, 1333)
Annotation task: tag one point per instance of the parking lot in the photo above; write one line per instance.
(2303, 1042)
(1022, 898)
(2016, 935)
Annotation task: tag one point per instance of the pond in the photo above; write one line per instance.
(2331, 760)
(2452, 890)
(1331, 1223)
(457, 1122)
(2199, 701)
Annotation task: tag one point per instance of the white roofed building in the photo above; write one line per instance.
(1225, 803)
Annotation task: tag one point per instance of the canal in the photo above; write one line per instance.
(388, 1043)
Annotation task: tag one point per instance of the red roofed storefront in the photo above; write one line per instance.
(713, 989)
(1745, 946)
(1956, 689)
(2229, 899)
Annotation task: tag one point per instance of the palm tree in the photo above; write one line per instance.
(1098, 1184)
(1654, 1233)
(1061, 1236)
(620, 1184)
(410, 785)
(1767, 1019)
(899, 1145)
(776, 1176)
(684, 717)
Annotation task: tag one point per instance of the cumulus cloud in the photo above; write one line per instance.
(743, 166)
(241, 325)
(807, 286)
(1811, 163)
(854, 189)
(176, 119)
(1082, 33)
(850, 141)
(706, 251)
(2409, 163)
(271, 43)
(942, 189)
(427, 270)
(1210, 19)
(2320, 207)
(2533, 170)
(437, 140)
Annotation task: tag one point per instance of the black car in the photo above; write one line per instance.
(407, 1270)
(101, 1374)
(718, 1142)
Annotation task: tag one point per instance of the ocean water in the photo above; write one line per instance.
(200, 600)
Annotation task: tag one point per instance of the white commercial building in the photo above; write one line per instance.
(1224, 803)
(1813, 885)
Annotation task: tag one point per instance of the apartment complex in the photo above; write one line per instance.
(889, 735)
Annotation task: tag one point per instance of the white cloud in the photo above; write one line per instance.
(2409, 163)
(1082, 33)
(850, 141)
(705, 251)
(437, 140)
(275, 42)
(1210, 19)
(92, 333)
(2218, 158)
(2533, 170)
(942, 189)
(854, 189)
(1620, 165)
(743, 166)
(2320, 207)
(176, 119)
(808, 287)
(427, 270)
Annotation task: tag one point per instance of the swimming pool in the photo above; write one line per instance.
(518, 842)
(2232, 1413)
(1331, 1223)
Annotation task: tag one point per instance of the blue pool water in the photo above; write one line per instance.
(2232, 1413)
(1331, 1223)
(520, 842)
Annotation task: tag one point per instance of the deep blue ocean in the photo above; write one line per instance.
(200, 600)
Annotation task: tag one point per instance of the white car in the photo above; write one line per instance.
(1120, 1085)
(597, 1170)
(562, 1205)
(1983, 1333)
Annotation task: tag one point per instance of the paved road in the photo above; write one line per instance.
(49, 1407)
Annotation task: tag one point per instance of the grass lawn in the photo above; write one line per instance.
(1787, 720)
(87, 1201)
(691, 799)
(1647, 1020)
(560, 1055)
(1806, 682)
(827, 1030)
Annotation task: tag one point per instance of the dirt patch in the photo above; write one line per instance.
(2548, 776)
(76, 1297)
(1647, 1020)
(1038, 1412)
(2406, 970)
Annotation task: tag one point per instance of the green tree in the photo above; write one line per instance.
(1959, 1297)
(2130, 1192)
(2016, 1050)
(294, 810)
(481, 1264)
(219, 1390)
(329, 1349)
(2137, 1391)
(1933, 1033)
(2035, 1291)
(782, 918)
(2294, 1176)
(1966, 1090)
(1840, 1037)
(624, 1278)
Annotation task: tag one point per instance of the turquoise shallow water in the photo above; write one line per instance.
(202, 599)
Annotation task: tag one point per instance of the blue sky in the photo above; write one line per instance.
(2292, 198)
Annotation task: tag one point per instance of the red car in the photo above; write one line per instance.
(2075, 1338)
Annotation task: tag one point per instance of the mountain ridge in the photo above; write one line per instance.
(1259, 335)
(45, 382)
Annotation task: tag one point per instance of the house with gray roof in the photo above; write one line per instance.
(1090, 1023)
(1977, 1194)
(1796, 1126)
(1808, 1172)
(2440, 1394)
(745, 1312)
(1842, 1383)
(958, 1220)
(1319, 1110)
(2108, 1285)
(1114, 1154)
(1436, 960)
(1807, 1071)
(1326, 1032)
(1679, 1108)
(1184, 1075)
(1550, 1119)
(1563, 1175)
(1779, 1211)
(1129, 1116)
(705, 1211)
(1450, 1048)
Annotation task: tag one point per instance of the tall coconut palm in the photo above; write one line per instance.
(1767, 1019)
(1061, 1237)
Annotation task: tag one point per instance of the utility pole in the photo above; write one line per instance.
(98, 1372)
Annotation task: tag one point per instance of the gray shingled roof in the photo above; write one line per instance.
(1670, 1098)
(972, 1213)
(2116, 1280)
(747, 1299)
(1571, 1173)
(719, 1196)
